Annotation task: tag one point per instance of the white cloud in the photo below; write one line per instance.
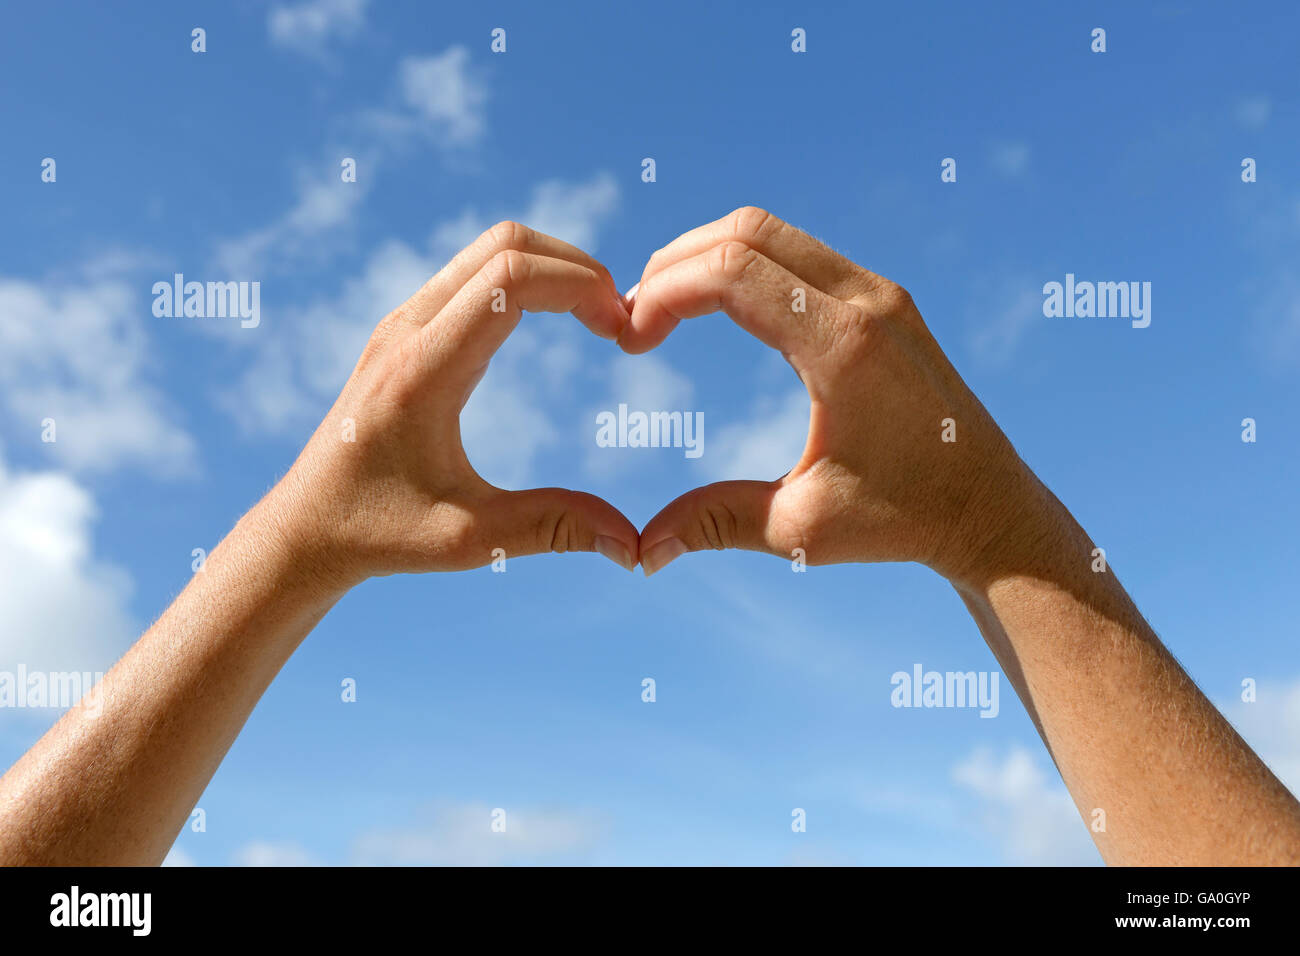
(444, 92)
(1271, 292)
(77, 353)
(1010, 159)
(1030, 813)
(309, 27)
(1271, 725)
(644, 383)
(765, 446)
(574, 212)
(1253, 112)
(1033, 819)
(1277, 322)
(463, 836)
(647, 382)
(1004, 324)
(507, 421)
(268, 398)
(762, 623)
(441, 99)
(178, 857)
(438, 100)
(266, 853)
(61, 608)
(324, 204)
(334, 331)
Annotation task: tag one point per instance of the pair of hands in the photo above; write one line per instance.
(876, 481)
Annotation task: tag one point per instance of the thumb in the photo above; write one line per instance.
(728, 514)
(559, 520)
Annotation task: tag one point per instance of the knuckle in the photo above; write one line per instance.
(729, 260)
(752, 223)
(870, 317)
(508, 234)
(390, 328)
(893, 300)
(507, 268)
(858, 334)
(390, 324)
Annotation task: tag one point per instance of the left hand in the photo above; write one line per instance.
(401, 495)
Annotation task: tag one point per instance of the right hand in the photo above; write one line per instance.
(876, 481)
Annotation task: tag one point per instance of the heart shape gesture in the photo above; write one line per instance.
(902, 463)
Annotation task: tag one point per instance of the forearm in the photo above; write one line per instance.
(115, 779)
(1130, 732)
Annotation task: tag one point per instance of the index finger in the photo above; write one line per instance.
(764, 298)
(791, 248)
(483, 312)
(505, 236)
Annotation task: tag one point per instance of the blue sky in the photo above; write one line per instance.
(522, 690)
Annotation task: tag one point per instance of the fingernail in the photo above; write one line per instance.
(658, 556)
(629, 297)
(615, 550)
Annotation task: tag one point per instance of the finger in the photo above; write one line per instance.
(784, 244)
(728, 514)
(559, 520)
(503, 237)
(762, 297)
(481, 315)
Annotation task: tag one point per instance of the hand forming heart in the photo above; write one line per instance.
(902, 462)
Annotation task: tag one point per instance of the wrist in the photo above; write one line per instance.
(1012, 527)
(288, 527)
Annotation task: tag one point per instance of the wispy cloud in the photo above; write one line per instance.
(438, 98)
(178, 857)
(271, 853)
(644, 383)
(764, 446)
(323, 204)
(1271, 725)
(1031, 817)
(1271, 291)
(1253, 112)
(462, 835)
(1010, 159)
(1002, 323)
(444, 94)
(310, 27)
(76, 352)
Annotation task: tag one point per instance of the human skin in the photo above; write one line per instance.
(115, 782)
(1130, 733)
